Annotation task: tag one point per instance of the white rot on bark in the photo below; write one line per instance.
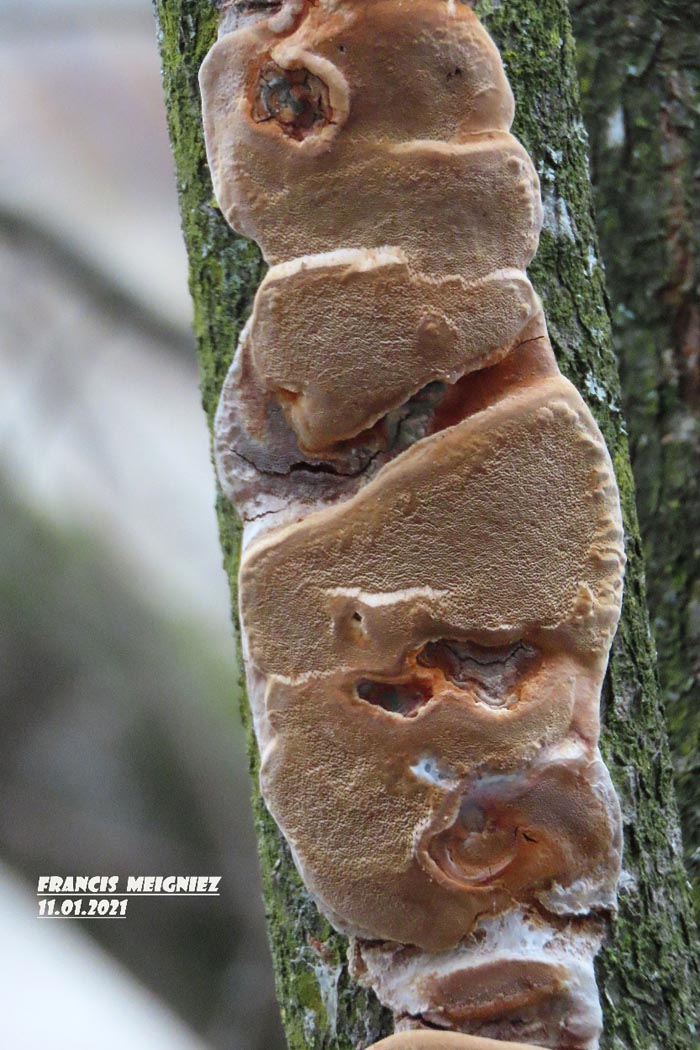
(433, 559)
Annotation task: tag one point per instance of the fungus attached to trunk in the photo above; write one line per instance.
(432, 566)
(504, 523)
(413, 329)
(370, 165)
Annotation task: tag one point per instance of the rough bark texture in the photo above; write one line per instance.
(648, 979)
(640, 71)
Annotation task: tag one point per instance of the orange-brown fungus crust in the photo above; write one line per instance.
(472, 529)
(428, 330)
(433, 558)
(315, 135)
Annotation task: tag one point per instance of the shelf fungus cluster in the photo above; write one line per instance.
(432, 566)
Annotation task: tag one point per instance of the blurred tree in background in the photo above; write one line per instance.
(639, 66)
(120, 746)
(117, 756)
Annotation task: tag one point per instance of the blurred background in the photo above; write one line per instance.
(121, 750)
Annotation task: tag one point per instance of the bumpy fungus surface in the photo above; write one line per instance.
(326, 316)
(433, 565)
(505, 523)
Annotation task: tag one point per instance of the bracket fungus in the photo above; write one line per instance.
(433, 554)
(428, 330)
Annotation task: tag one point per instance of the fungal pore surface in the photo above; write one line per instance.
(432, 559)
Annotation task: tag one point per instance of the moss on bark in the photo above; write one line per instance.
(649, 983)
(640, 72)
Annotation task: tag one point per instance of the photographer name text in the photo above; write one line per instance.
(107, 896)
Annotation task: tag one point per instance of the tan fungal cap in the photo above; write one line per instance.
(343, 338)
(446, 651)
(482, 197)
(505, 525)
(413, 811)
(457, 85)
(272, 481)
(290, 133)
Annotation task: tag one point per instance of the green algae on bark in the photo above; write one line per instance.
(640, 73)
(649, 985)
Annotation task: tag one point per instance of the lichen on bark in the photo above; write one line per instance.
(648, 977)
(640, 73)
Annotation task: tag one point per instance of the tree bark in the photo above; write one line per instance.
(640, 70)
(648, 977)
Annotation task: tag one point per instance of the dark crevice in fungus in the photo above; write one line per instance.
(278, 462)
(308, 467)
(419, 1019)
(398, 698)
(295, 98)
(531, 360)
(269, 6)
(495, 670)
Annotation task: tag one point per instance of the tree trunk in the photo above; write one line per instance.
(640, 72)
(648, 979)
